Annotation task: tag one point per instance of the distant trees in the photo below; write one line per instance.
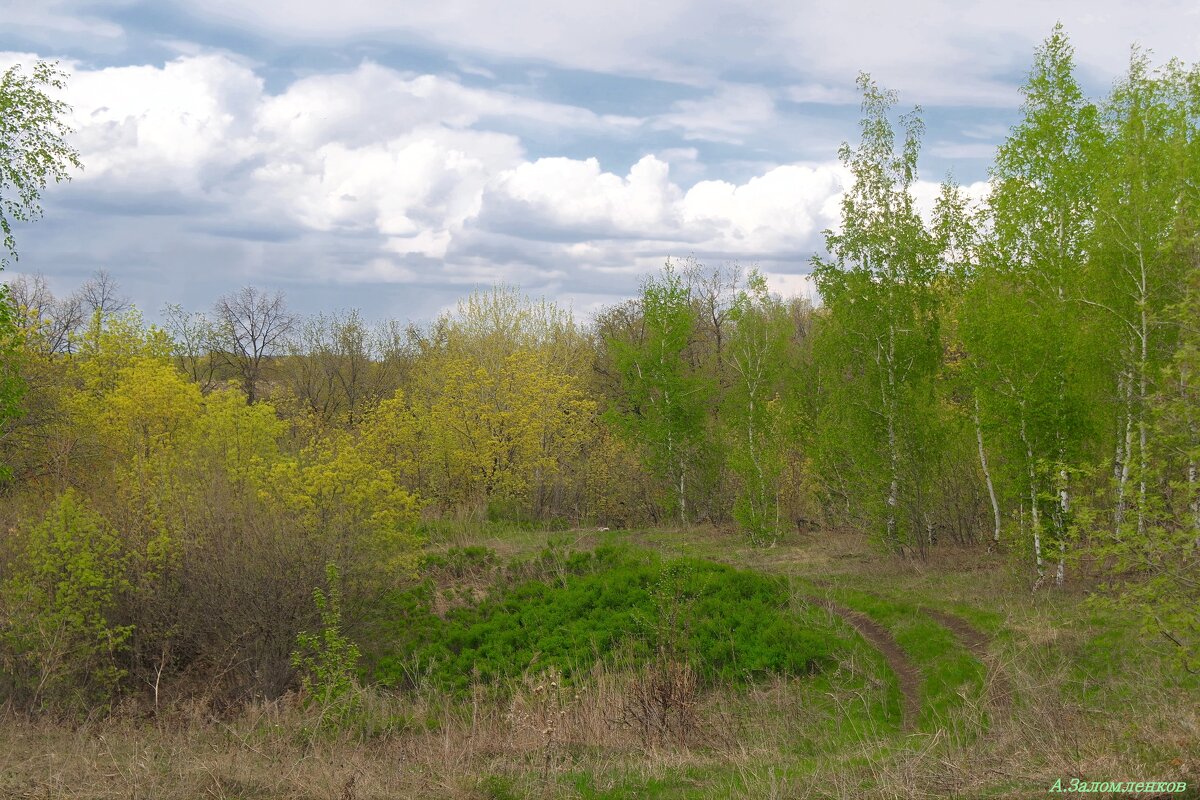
(251, 325)
(160, 535)
(493, 416)
(663, 397)
(336, 366)
(754, 409)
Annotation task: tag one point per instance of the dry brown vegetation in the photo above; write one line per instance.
(1085, 702)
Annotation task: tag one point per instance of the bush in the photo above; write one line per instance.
(327, 661)
(57, 643)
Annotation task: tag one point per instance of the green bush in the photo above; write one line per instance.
(58, 645)
(327, 661)
(730, 625)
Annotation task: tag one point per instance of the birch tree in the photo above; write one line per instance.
(664, 401)
(756, 360)
(1041, 213)
(33, 153)
(1136, 270)
(881, 333)
(33, 147)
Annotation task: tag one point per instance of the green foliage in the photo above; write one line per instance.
(730, 625)
(327, 660)
(33, 148)
(665, 400)
(59, 642)
(879, 347)
(32, 151)
(1031, 341)
(753, 413)
(12, 387)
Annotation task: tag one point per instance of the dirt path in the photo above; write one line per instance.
(907, 675)
(998, 690)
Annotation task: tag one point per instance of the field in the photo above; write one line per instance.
(946, 678)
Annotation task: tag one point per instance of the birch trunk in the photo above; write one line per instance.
(1064, 499)
(890, 410)
(1143, 366)
(1195, 490)
(1124, 445)
(1192, 476)
(987, 477)
(1035, 519)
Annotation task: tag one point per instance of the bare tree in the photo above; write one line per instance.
(101, 294)
(337, 365)
(195, 344)
(252, 325)
(56, 320)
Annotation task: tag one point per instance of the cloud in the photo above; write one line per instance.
(58, 23)
(783, 210)
(181, 127)
(772, 216)
(377, 176)
(575, 197)
(968, 53)
(374, 102)
(730, 114)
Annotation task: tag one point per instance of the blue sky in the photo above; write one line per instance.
(392, 156)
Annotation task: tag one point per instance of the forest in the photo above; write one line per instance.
(651, 553)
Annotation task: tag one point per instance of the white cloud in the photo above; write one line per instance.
(402, 178)
(729, 114)
(773, 215)
(784, 209)
(570, 194)
(965, 53)
(177, 127)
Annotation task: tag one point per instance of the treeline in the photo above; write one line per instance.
(1020, 371)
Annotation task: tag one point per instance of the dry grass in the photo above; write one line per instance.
(426, 745)
(1101, 709)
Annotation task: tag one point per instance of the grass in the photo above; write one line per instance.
(733, 625)
(1098, 700)
(952, 678)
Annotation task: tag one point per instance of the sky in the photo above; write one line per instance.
(394, 156)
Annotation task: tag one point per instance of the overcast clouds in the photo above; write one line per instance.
(390, 156)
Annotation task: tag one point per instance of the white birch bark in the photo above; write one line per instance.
(1035, 521)
(1064, 499)
(890, 409)
(1124, 445)
(987, 477)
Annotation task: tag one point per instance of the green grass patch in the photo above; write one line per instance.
(951, 675)
(733, 626)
